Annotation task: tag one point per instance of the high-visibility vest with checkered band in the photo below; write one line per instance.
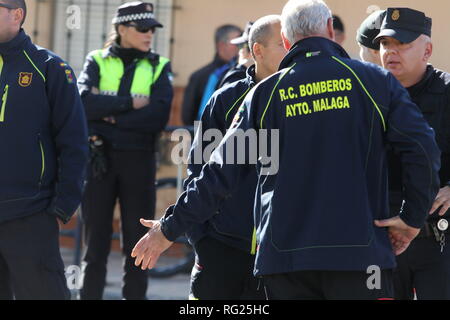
(112, 70)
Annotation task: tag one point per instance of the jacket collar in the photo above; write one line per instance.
(416, 89)
(15, 45)
(251, 75)
(311, 47)
(108, 52)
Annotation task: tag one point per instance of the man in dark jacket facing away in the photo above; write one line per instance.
(334, 117)
(202, 83)
(225, 245)
(43, 136)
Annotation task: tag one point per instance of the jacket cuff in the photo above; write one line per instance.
(59, 213)
(170, 226)
(416, 221)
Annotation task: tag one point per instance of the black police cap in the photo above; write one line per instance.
(139, 12)
(369, 29)
(405, 25)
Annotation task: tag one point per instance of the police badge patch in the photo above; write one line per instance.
(395, 15)
(25, 79)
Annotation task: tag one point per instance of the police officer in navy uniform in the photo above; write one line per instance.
(225, 245)
(127, 92)
(334, 117)
(406, 48)
(43, 138)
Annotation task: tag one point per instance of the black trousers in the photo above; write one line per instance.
(424, 269)
(131, 180)
(31, 267)
(222, 272)
(327, 285)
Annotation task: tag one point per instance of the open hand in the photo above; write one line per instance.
(400, 233)
(148, 249)
(442, 200)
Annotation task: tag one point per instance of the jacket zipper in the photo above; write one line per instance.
(4, 98)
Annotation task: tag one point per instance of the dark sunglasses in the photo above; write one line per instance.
(7, 6)
(140, 28)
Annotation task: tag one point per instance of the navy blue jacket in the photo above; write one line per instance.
(238, 72)
(335, 116)
(43, 135)
(233, 222)
(134, 129)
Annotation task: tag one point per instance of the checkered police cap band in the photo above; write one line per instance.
(133, 17)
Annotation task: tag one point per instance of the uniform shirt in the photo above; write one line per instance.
(134, 129)
(334, 116)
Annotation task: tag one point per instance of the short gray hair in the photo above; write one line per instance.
(222, 32)
(261, 29)
(304, 18)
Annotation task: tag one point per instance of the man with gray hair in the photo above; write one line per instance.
(245, 60)
(202, 82)
(322, 219)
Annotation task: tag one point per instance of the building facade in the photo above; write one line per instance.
(72, 28)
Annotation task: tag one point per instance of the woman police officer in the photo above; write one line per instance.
(127, 92)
